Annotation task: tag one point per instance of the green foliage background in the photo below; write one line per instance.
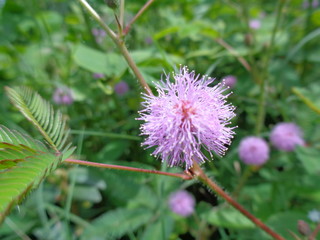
(48, 44)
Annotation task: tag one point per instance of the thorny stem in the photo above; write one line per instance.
(314, 233)
(244, 62)
(127, 29)
(198, 172)
(264, 78)
(130, 169)
(119, 42)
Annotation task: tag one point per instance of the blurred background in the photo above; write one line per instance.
(56, 48)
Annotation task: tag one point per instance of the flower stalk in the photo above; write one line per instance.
(125, 168)
(142, 10)
(264, 78)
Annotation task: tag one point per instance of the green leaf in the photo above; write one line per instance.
(162, 229)
(305, 40)
(40, 113)
(110, 64)
(309, 158)
(28, 167)
(229, 218)
(282, 222)
(115, 224)
(87, 193)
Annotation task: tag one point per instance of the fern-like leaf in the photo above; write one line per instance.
(40, 113)
(24, 163)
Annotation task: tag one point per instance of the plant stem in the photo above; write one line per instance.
(89, 28)
(244, 62)
(314, 233)
(264, 77)
(306, 100)
(106, 134)
(125, 168)
(198, 172)
(127, 29)
(119, 42)
(121, 14)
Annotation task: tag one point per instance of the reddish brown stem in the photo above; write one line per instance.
(197, 171)
(314, 233)
(244, 62)
(125, 168)
(127, 28)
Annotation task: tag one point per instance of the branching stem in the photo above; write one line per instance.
(120, 43)
(232, 51)
(144, 8)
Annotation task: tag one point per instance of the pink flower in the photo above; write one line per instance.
(253, 151)
(286, 136)
(230, 81)
(99, 34)
(63, 96)
(186, 117)
(254, 23)
(182, 203)
(98, 75)
(121, 88)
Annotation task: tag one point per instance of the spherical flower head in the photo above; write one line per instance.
(63, 96)
(230, 81)
(186, 117)
(253, 151)
(182, 203)
(254, 23)
(286, 136)
(121, 88)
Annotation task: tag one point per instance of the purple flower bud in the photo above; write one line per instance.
(186, 117)
(63, 96)
(303, 228)
(182, 203)
(254, 23)
(253, 151)
(98, 75)
(230, 81)
(121, 88)
(286, 136)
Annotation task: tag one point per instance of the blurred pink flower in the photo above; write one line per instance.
(98, 75)
(254, 23)
(121, 88)
(286, 136)
(314, 4)
(230, 81)
(253, 150)
(63, 96)
(99, 34)
(182, 203)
